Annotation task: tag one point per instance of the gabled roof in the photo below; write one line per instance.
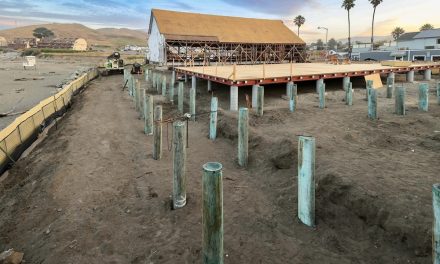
(224, 29)
(432, 33)
(407, 36)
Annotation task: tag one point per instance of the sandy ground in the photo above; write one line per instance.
(91, 192)
(24, 95)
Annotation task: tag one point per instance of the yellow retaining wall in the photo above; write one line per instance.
(24, 126)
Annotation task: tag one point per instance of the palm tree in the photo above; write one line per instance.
(426, 27)
(299, 21)
(375, 3)
(347, 5)
(397, 32)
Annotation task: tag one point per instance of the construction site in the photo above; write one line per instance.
(227, 146)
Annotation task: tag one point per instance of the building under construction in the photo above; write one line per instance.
(199, 39)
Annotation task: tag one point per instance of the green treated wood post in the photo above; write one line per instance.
(192, 103)
(172, 83)
(158, 83)
(209, 86)
(254, 95)
(179, 160)
(142, 103)
(349, 94)
(157, 146)
(306, 180)
(130, 84)
(322, 96)
(212, 218)
(367, 90)
(423, 97)
(164, 85)
(400, 100)
(137, 92)
(372, 104)
(243, 136)
(436, 224)
(438, 93)
(390, 87)
(194, 82)
(293, 101)
(345, 82)
(154, 78)
(180, 97)
(213, 119)
(260, 100)
(289, 87)
(148, 113)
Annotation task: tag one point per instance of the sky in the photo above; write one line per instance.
(135, 13)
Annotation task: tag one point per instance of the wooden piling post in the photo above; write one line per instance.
(148, 114)
(179, 160)
(349, 94)
(233, 98)
(164, 85)
(322, 96)
(254, 95)
(390, 87)
(213, 119)
(372, 104)
(427, 75)
(410, 76)
(157, 147)
(194, 82)
(306, 180)
(438, 93)
(367, 90)
(142, 98)
(293, 100)
(243, 136)
(423, 97)
(192, 103)
(137, 92)
(130, 84)
(345, 82)
(289, 87)
(400, 100)
(153, 77)
(212, 219)
(209, 86)
(180, 97)
(436, 224)
(260, 100)
(158, 83)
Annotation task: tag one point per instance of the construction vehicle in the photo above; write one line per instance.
(114, 64)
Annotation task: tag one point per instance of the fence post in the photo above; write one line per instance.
(349, 94)
(180, 97)
(260, 101)
(243, 136)
(179, 160)
(372, 104)
(157, 147)
(322, 96)
(436, 224)
(212, 219)
(423, 97)
(148, 113)
(213, 119)
(306, 180)
(390, 87)
(192, 103)
(293, 100)
(400, 100)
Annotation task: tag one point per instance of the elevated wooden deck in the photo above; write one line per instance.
(283, 73)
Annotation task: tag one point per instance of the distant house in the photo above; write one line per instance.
(78, 44)
(427, 39)
(3, 42)
(23, 43)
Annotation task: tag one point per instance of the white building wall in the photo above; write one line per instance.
(156, 43)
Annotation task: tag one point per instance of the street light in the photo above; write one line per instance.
(326, 38)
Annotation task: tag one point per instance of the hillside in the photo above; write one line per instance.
(104, 37)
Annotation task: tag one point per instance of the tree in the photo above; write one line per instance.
(347, 5)
(375, 3)
(397, 32)
(43, 32)
(332, 44)
(426, 27)
(319, 44)
(299, 21)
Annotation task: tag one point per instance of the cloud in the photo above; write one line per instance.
(278, 7)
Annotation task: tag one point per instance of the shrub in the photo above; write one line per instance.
(31, 52)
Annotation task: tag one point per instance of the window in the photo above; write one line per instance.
(398, 58)
(438, 41)
(419, 58)
(436, 58)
